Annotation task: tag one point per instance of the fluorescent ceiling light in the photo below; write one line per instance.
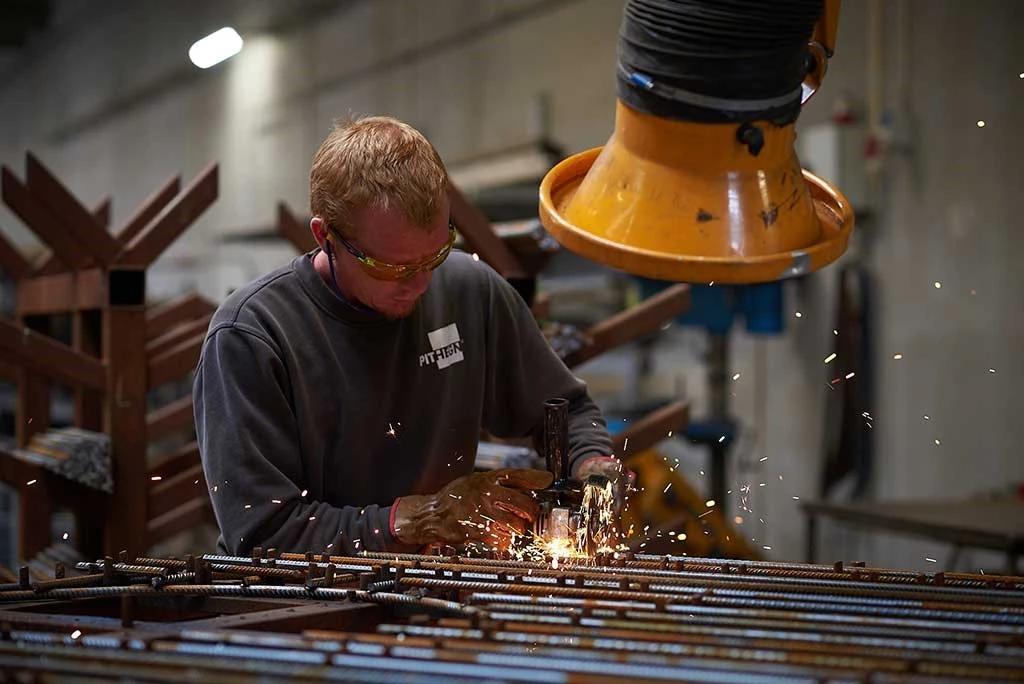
(215, 48)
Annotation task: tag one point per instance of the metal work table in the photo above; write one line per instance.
(996, 524)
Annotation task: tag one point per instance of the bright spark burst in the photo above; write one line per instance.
(595, 529)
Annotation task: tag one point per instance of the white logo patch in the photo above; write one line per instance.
(446, 345)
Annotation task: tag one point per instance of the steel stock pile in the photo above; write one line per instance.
(420, 618)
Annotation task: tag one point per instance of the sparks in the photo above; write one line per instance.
(304, 492)
(30, 483)
(830, 358)
(938, 285)
(736, 376)
(77, 633)
(276, 501)
(850, 375)
(156, 478)
(710, 503)
(930, 560)
(390, 431)
(65, 536)
(798, 314)
(897, 357)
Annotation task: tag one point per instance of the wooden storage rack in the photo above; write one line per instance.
(121, 348)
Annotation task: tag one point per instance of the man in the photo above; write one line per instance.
(339, 399)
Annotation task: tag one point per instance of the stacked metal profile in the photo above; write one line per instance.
(419, 618)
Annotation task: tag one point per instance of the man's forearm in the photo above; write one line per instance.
(300, 526)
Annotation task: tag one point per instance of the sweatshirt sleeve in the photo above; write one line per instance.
(249, 445)
(523, 371)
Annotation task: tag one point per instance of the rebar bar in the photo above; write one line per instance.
(459, 618)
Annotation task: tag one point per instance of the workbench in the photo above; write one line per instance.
(991, 524)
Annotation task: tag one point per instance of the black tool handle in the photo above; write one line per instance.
(556, 437)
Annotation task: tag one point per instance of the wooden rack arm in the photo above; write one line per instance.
(644, 318)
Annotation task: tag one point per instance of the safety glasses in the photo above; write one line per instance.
(382, 270)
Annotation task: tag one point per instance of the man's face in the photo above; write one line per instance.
(388, 237)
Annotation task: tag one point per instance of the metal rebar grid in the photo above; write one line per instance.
(418, 618)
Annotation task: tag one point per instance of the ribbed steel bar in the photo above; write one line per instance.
(454, 618)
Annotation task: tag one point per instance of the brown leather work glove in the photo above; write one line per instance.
(622, 478)
(487, 507)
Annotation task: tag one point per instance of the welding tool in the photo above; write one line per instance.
(568, 516)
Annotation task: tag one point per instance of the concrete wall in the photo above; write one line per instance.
(109, 100)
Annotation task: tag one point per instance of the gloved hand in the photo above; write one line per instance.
(621, 477)
(485, 506)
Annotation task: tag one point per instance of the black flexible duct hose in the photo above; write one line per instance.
(716, 61)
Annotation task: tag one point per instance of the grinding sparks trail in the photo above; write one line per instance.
(596, 530)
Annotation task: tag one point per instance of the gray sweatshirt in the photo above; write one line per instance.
(313, 414)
